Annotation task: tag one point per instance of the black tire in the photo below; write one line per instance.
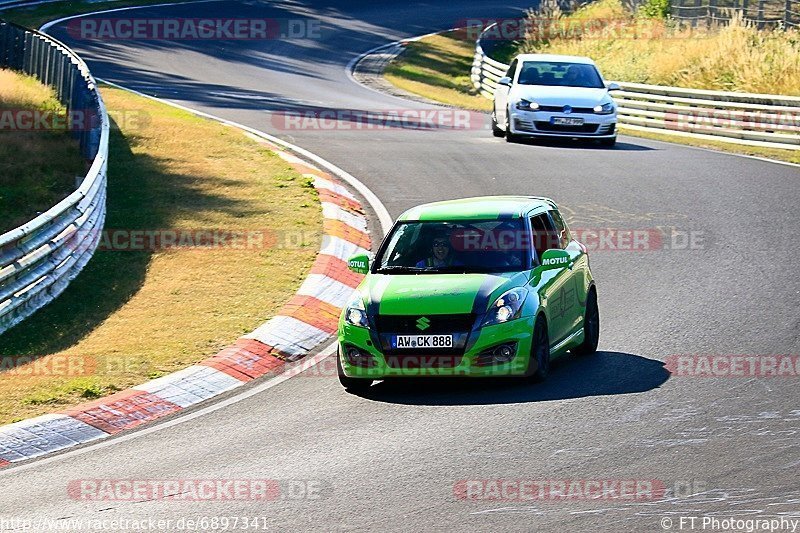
(540, 351)
(591, 326)
(354, 385)
(609, 142)
(496, 131)
(510, 137)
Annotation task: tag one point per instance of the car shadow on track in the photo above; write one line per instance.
(602, 374)
(583, 144)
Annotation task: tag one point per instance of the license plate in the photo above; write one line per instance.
(566, 121)
(422, 341)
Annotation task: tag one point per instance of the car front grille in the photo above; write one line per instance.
(417, 361)
(542, 125)
(560, 109)
(407, 324)
(459, 326)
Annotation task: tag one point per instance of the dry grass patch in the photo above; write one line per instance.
(136, 315)
(37, 168)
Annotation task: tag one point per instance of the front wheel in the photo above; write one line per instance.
(496, 131)
(591, 326)
(354, 385)
(510, 137)
(609, 142)
(540, 351)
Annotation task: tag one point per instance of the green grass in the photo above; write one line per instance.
(37, 168)
(438, 68)
(136, 315)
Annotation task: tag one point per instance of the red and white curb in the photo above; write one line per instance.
(304, 322)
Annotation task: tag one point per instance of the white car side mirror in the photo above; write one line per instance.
(505, 80)
(613, 86)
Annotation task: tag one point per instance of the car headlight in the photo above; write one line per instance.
(604, 109)
(527, 105)
(355, 313)
(507, 307)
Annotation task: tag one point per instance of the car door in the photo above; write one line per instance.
(572, 297)
(554, 287)
(501, 96)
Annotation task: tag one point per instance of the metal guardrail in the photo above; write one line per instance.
(40, 258)
(751, 119)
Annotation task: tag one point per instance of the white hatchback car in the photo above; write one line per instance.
(554, 96)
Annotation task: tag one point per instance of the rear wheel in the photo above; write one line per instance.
(591, 326)
(496, 131)
(351, 384)
(540, 351)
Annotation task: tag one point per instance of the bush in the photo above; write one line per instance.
(654, 9)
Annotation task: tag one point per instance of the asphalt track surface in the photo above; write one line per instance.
(725, 447)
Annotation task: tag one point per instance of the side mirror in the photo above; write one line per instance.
(552, 259)
(359, 264)
(505, 80)
(613, 86)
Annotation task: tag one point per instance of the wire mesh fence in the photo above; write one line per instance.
(762, 13)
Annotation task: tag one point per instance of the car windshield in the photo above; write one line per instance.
(468, 246)
(559, 74)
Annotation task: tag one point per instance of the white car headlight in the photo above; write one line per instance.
(527, 105)
(355, 313)
(507, 307)
(604, 109)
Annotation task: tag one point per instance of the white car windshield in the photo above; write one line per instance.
(560, 74)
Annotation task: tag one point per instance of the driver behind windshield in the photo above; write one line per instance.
(441, 254)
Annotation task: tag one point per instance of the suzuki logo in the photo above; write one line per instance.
(567, 109)
(423, 323)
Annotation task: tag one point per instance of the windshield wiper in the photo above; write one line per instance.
(401, 268)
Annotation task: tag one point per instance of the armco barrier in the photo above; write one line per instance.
(751, 119)
(40, 258)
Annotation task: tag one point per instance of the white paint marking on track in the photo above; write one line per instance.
(294, 371)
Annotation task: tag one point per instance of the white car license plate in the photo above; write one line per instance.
(567, 121)
(422, 341)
